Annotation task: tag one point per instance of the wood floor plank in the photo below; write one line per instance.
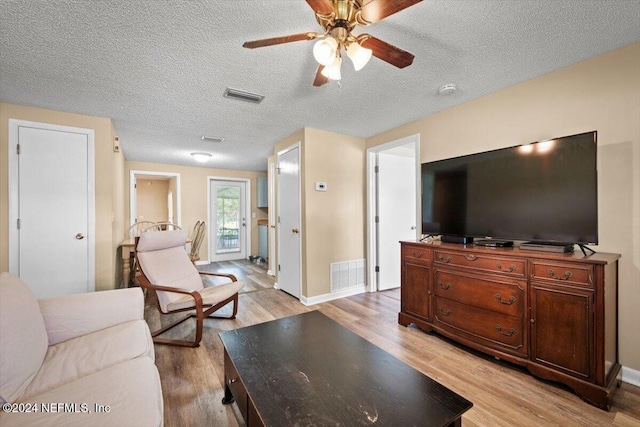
(503, 394)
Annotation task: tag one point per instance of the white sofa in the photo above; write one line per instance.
(77, 360)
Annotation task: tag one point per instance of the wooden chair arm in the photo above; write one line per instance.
(230, 276)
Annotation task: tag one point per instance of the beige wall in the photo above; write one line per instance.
(152, 200)
(601, 93)
(107, 192)
(333, 228)
(193, 183)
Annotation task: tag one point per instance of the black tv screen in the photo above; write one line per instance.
(540, 192)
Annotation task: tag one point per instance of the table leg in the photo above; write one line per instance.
(228, 397)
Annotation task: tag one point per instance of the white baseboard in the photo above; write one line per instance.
(631, 376)
(270, 273)
(202, 262)
(331, 296)
(275, 285)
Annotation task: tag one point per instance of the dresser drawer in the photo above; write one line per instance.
(417, 254)
(483, 325)
(502, 296)
(570, 274)
(511, 266)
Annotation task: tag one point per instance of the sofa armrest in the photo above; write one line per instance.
(75, 315)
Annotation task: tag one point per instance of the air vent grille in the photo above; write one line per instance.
(212, 138)
(241, 95)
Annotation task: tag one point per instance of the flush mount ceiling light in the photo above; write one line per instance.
(201, 157)
(339, 18)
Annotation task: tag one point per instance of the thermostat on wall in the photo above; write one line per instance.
(321, 186)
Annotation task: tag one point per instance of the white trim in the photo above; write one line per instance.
(14, 250)
(332, 296)
(631, 376)
(279, 193)
(133, 201)
(371, 199)
(248, 218)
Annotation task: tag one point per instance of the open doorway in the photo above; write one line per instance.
(393, 190)
(155, 197)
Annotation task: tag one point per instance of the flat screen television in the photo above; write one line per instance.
(540, 192)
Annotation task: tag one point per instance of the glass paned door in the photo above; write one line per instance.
(227, 236)
(228, 221)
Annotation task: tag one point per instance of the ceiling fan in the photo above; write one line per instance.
(339, 18)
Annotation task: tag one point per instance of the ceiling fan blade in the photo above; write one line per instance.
(320, 79)
(377, 10)
(388, 53)
(280, 40)
(323, 7)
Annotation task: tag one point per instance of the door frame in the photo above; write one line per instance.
(133, 194)
(279, 200)
(372, 200)
(13, 206)
(273, 257)
(247, 207)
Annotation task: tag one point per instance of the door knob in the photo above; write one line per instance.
(295, 230)
(79, 236)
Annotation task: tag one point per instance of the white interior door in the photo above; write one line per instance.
(228, 222)
(289, 233)
(396, 210)
(52, 186)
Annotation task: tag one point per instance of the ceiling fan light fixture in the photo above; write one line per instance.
(324, 51)
(359, 55)
(201, 157)
(332, 71)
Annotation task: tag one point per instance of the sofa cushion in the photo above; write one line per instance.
(78, 357)
(131, 390)
(23, 337)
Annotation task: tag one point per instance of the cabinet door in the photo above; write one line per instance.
(562, 329)
(416, 290)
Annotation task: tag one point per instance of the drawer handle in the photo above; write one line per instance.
(443, 259)
(444, 286)
(511, 268)
(567, 275)
(508, 333)
(417, 254)
(471, 257)
(506, 302)
(445, 312)
(232, 380)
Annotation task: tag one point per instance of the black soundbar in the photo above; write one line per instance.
(547, 247)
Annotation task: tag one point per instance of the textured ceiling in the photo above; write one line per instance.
(159, 68)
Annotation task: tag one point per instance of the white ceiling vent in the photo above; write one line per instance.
(212, 138)
(243, 96)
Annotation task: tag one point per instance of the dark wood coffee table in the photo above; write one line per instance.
(309, 370)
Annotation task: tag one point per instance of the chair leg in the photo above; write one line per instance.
(199, 324)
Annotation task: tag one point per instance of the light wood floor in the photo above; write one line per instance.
(502, 394)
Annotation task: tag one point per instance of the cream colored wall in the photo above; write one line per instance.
(193, 191)
(332, 228)
(333, 221)
(601, 93)
(152, 200)
(107, 163)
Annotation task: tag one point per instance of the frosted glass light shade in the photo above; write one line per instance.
(332, 71)
(359, 55)
(201, 157)
(324, 51)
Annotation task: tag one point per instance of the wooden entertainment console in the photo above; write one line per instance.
(555, 314)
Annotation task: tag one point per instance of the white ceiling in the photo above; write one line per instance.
(159, 68)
